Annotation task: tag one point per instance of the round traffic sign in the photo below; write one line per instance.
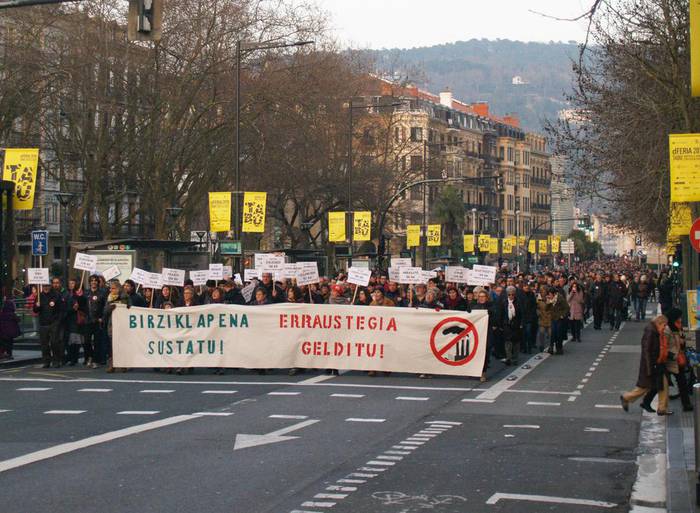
(456, 336)
(695, 235)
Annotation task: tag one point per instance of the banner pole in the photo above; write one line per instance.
(354, 295)
(82, 279)
(310, 300)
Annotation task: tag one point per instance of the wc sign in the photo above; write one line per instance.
(40, 242)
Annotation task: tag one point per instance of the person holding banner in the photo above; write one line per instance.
(274, 292)
(133, 298)
(189, 298)
(9, 329)
(49, 306)
(117, 296)
(363, 298)
(76, 325)
(483, 303)
(511, 325)
(454, 301)
(94, 347)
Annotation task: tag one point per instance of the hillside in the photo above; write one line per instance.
(483, 70)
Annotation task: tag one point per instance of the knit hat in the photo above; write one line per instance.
(673, 315)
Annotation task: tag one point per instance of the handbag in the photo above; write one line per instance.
(682, 359)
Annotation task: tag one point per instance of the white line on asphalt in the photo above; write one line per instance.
(477, 400)
(418, 439)
(299, 417)
(354, 396)
(426, 435)
(314, 504)
(95, 390)
(444, 423)
(283, 393)
(595, 364)
(58, 450)
(610, 406)
(509, 436)
(302, 511)
(513, 378)
(592, 369)
(225, 392)
(336, 496)
(403, 453)
(521, 426)
(336, 488)
(599, 460)
(380, 462)
(545, 392)
(213, 414)
(137, 412)
(156, 391)
(34, 389)
(372, 469)
(538, 403)
(4, 411)
(580, 387)
(408, 398)
(572, 398)
(316, 379)
(596, 430)
(409, 442)
(589, 374)
(404, 447)
(356, 474)
(544, 498)
(355, 419)
(64, 412)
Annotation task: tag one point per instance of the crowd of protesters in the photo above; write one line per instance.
(527, 311)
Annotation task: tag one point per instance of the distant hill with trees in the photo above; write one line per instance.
(484, 70)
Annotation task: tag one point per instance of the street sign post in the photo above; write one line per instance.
(695, 235)
(40, 242)
(230, 247)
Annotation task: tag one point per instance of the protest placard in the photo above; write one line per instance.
(308, 274)
(456, 274)
(410, 275)
(85, 262)
(111, 272)
(199, 278)
(38, 276)
(251, 274)
(401, 262)
(359, 276)
(216, 272)
(153, 281)
(482, 275)
(175, 277)
(138, 276)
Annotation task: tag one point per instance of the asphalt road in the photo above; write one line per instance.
(547, 437)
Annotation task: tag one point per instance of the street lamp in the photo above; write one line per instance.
(7, 190)
(517, 241)
(173, 214)
(64, 199)
(248, 47)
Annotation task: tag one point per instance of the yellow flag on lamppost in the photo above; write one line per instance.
(433, 235)
(336, 226)
(532, 246)
(254, 205)
(469, 243)
(20, 167)
(555, 243)
(493, 246)
(507, 246)
(219, 211)
(484, 243)
(543, 247)
(362, 226)
(413, 236)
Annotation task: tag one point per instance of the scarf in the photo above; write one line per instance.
(663, 348)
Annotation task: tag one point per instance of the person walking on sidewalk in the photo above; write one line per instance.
(577, 303)
(652, 369)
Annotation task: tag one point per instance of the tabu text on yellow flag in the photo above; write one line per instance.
(254, 205)
(219, 211)
(20, 167)
(684, 151)
(434, 233)
(680, 220)
(555, 243)
(336, 226)
(413, 236)
(493, 246)
(543, 247)
(507, 246)
(522, 240)
(469, 244)
(484, 243)
(532, 246)
(362, 226)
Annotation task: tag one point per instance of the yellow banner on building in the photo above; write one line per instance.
(254, 205)
(695, 47)
(684, 150)
(493, 246)
(543, 247)
(680, 220)
(336, 226)
(532, 246)
(484, 243)
(555, 244)
(507, 246)
(469, 243)
(362, 226)
(434, 234)
(20, 167)
(413, 236)
(219, 211)
(522, 240)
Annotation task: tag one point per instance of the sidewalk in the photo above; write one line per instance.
(21, 357)
(681, 477)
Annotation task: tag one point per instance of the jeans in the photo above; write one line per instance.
(529, 336)
(576, 326)
(51, 344)
(544, 337)
(640, 306)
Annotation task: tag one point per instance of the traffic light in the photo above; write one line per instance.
(145, 20)
(678, 256)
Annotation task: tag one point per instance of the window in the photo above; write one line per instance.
(501, 152)
(416, 162)
(517, 157)
(416, 134)
(51, 213)
(510, 154)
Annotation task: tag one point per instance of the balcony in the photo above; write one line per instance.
(540, 207)
(541, 231)
(541, 182)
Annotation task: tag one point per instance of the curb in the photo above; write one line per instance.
(649, 492)
(9, 364)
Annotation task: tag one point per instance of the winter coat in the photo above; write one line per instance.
(9, 322)
(459, 303)
(577, 304)
(386, 302)
(650, 353)
(96, 305)
(72, 323)
(544, 312)
(528, 301)
(560, 308)
(616, 293)
(512, 328)
(51, 308)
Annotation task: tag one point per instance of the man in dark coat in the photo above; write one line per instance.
(50, 309)
(598, 294)
(646, 380)
(511, 325)
(616, 295)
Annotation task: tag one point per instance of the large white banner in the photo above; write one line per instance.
(306, 336)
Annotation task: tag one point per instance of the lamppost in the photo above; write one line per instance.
(64, 199)
(7, 189)
(173, 213)
(248, 47)
(517, 241)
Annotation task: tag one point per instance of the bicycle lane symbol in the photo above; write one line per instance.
(461, 335)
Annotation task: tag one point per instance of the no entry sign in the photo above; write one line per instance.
(454, 341)
(695, 235)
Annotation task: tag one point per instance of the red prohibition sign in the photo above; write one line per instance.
(468, 328)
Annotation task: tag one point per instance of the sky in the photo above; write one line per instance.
(409, 23)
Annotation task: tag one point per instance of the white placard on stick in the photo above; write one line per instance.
(38, 276)
(410, 275)
(251, 274)
(456, 274)
(111, 272)
(269, 263)
(359, 276)
(199, 278)
(401, 262)
(139, 276)
(175, 277)
(427, 276)
(482, 275)
(85, 262)
(237, 279)
(247, 291)
(289, 271)
(228, 272)
(153, 281)
(393, 274)
(307, 274)
(216, 272)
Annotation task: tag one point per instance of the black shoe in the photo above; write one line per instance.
(507, 362)
(647, 407)
(662, 413)
(625, 405)
(688, 407)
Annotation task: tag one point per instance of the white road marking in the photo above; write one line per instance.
(580, 386)
(538, 403)
(610, 406)
(356, 419)
(408, 398)
(64, 412)
(4, 411)
(596, 430)
(138, 412)
(592, 369)
(393, 458)
(283, 393)
(299, 417)
(599, 460)
(372, 469)
(95, 390)
(34, 389)
(477, 400)
(521, 426)
(398, 452)
(316, 379)
(243, 441)
(544, 498)
(336, 496)
(336, 488)
(314, 504)
(509, 436)
(584, 380)
(426, 435)
(380, 462)
(572, 398)
(356, 474)
(58, 450)
(213, 414)
(156, 391)
(544, 392)
(409, 442)
(513, 378)
(444, 423)
(352, 396)
(225, 392)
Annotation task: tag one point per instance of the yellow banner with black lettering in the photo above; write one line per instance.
(684, 151)
(680, 220)
(434, 234)
(493, 246)
(522, 240)
(532, 246)
(543, 247)
(507, 246)
(336, 226)
(362, 225)
(484, 243)
(469, 243)
(695, 47)
(219, 211)
(20, 167)
(555, 243)
(413, 236)
(254, 205)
